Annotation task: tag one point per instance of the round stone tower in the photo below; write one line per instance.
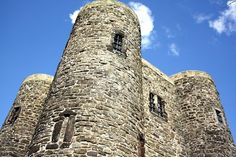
(202, 119)
(94, 105)
(19, 126)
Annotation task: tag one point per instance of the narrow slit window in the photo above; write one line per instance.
(68, 121)
(219, 116)
(69, 129)
(56, 131)
(14, 115)
(118, 42)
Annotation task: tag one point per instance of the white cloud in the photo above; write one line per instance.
(145, 17)
(146, 22)
(226, 22)
(200, 18)
(74, 15)
(173, 50)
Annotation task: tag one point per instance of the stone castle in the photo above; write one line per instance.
(105, 101)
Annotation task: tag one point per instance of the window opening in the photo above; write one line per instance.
(14, 115)
(157, 105)
(219, 116)
(118, 41)
(56, 131)
(151, 100)
(68, 120)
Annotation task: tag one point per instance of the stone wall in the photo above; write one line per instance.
(202, 118)
(101, 101)
(161, 133)
(94, 106)
(233, 150)
(19, 126)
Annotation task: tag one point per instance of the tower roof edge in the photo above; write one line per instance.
(190, 73)
(44, 77)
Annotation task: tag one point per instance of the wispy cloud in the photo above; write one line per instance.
(168, 32)
(146, 21)
(226, 22)
(200, 18)
(178, 26)
(145, 18)
(74, 15)
(217, 2)
(173, 50)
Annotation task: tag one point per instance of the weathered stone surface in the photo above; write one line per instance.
(107, 102)
(161, 135)
(20, 124)
(198, 102)
(103, 87)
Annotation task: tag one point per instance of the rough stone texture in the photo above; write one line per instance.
(15, 135)
(103, 88)
(197, 99)
(99, 106)
(161, 134)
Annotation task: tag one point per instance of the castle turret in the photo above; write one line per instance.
(94, 105)
(202, 119)
(19, 126)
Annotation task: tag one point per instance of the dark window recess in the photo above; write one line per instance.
(219, 116)
(118, 42)
(14, 115)
(157, 105)
(56, 131)
(69, 131)
(141, 145)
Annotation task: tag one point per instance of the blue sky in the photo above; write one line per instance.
(178, 35)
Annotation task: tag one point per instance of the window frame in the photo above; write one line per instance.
(123, 47)
(61, 139)
(118, 42)
(219, 116)
(158, 108)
